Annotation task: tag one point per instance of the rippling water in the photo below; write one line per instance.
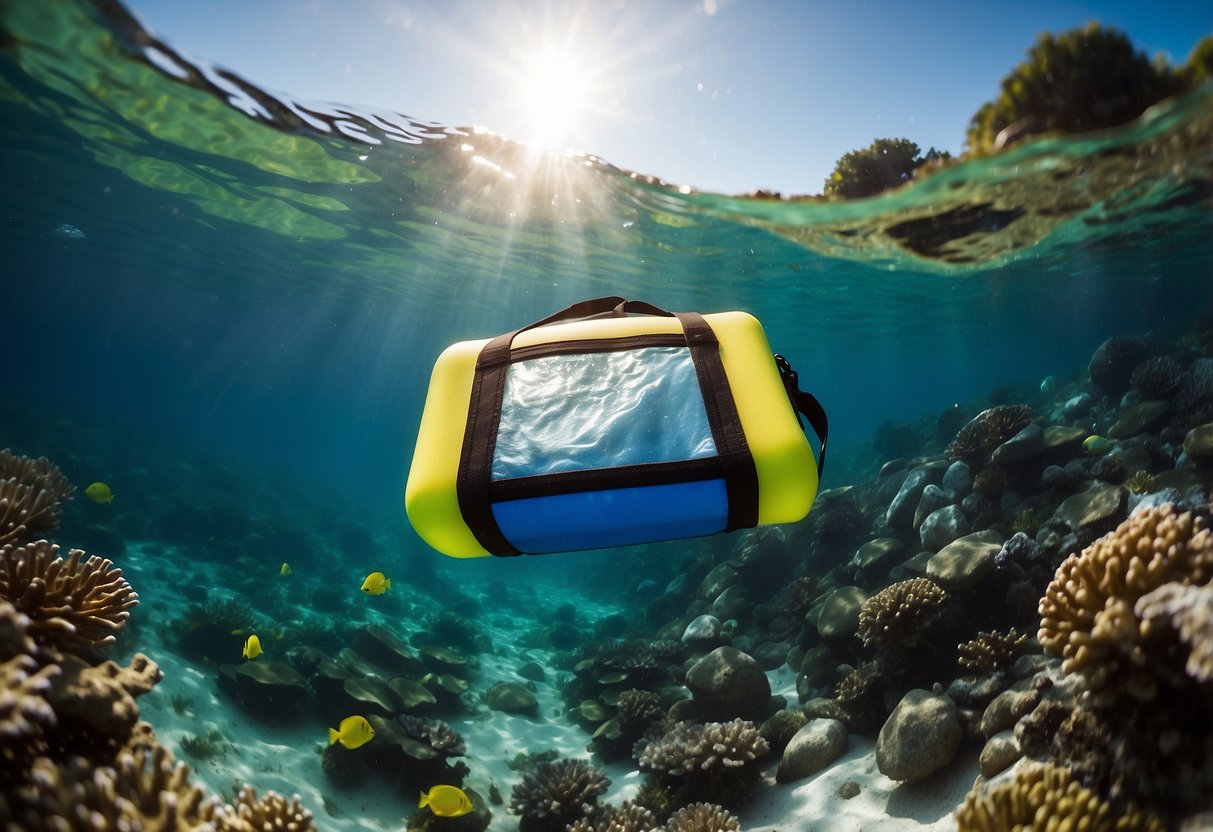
(190, 254)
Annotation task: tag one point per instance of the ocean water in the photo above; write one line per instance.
(227, 302)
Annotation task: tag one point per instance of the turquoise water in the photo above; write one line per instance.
(206, 284)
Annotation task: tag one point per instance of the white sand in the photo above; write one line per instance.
(288, 760)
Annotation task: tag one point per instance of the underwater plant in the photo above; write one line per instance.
(206, 629)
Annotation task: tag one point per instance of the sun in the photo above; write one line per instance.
(555, 88)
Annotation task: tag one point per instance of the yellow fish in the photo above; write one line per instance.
(286, 569)
(354, 732)
(99, 492)
(376, 584)
(446, 801)
(1095, 445)
(252, 647)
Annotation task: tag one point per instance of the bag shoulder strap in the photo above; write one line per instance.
(807, 404)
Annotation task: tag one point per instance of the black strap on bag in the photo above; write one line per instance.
(734, 462)
(806, 404)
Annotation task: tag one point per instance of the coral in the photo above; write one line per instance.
(799, 595)
(899, 615)
(990, 481)
(1087, 612)
(31, 491)
(25, 713)
(72, 604)
(858, 698)
(689, 747)
(435, 733)
(558, 793)
(1142, 482)
(990, 650)
(633, 656)
(1027, 522)
(781, 726)
(627, 817)
(454, 630)
(987, 430)
(1158, 378)
(205, 628)
(703, 817)
(638, 708)
(1046, 797)
(1188, 610)
(143, 790)
(271, 813)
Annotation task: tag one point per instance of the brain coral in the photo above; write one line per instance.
(899, 614)
(73, 603)
(31, 491)
(1043, 798)
(1087, 612)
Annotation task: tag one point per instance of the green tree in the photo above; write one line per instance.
(886, 163)
(1082, 79)
(1199, 67)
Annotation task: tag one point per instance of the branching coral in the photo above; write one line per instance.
(72, 604)
(31, 491)
(558, 793)
(270, 813)
(627, 817)
(689, 747)
(1087, 613)
(899, 615)
(638, 708)
(990, 650)
(703, 817)
(987, 430)
(1046, 797)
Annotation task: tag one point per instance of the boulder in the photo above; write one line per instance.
(1000, 751)
(1102, 503)
(1078, 406)
(715, 582)
(1198, 444)
(933, 498)
(943, 526)
(512, 698)
(901, 510)
(273, 691)
(875, 552)
(811, 749)
(965, 561)
(1137, 418)
(839, 614)
(703, 628)
(727, 684)
(1023, 445)
(958, 479)
(920, 737)
(1057, 436)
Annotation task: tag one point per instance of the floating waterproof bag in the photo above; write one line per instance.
(595, 428)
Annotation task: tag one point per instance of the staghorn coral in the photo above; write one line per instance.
(900, 614)
(31, 491)
(689, 747)
(990, 650)
(72, 604)
(271, 813)
(987, 430)
(627, 817)
(1188, 611)
(703, 817)
(1042, 798)
(1087, 612)
(435, 733)
(558, 793)
(1158, 378)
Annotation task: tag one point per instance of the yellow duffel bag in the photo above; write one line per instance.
(610, 423)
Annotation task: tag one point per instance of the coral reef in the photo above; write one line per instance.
(1046, 797)
(714, 760)
(987, 430)
(74, 604)
(270, 813)
(31, 492)
(435, 733)
(990, 650)
(557, 794)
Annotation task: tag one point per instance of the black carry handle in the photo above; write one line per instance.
(498, 350)
(807, 404)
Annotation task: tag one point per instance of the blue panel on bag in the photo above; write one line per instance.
(615, 517)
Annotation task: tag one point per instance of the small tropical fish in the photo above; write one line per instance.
(353, 732)
(252, 647)
(446, 801)
(376, 583)
(99, 492)
(285, 570)
(1095, 445)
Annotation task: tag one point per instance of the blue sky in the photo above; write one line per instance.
(723, 95)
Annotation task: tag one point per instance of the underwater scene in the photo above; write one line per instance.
(223, 306)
